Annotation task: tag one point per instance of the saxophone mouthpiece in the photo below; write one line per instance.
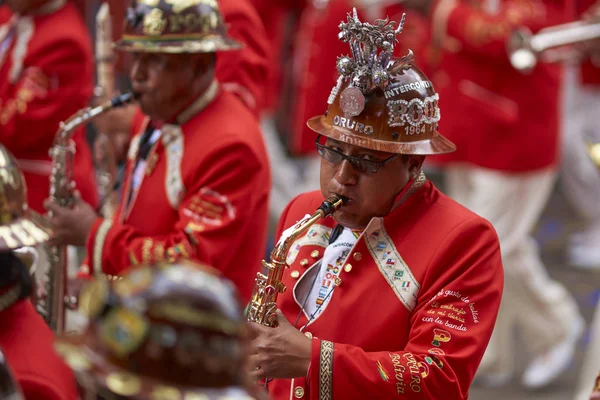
(123, 99)
(332, 204)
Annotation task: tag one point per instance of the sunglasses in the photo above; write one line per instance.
(359, 164)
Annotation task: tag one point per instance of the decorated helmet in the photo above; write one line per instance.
(380, 102)
(165, 331)
(175, 26)
(19, 225)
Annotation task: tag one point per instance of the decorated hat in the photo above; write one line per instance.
(19, 225)
(380, 102)
(166, 331)
(175, 26)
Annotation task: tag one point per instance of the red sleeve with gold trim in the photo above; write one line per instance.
(464, 279)
(487, 33)
(214, 217)
(40, 97)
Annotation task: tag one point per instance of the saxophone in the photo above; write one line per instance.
(51, 306)
(106, 162)
(263, 305)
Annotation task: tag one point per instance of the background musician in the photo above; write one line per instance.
(197, 177)
(397, 294)
(46, 75)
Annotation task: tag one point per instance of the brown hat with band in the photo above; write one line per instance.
(175, 26)
(19, 225)
(380, 102)
(166, 331)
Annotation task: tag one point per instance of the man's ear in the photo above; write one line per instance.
(415, 163)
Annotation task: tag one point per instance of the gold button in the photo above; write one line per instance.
(357, 256)
(308, 335)
(315, 254)
(295, 274)
(348, 267)
(304, 262)
(337, 281)
(299, 392)
(84, 269)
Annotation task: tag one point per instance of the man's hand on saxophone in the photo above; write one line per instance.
(71, 226)
(281, 352)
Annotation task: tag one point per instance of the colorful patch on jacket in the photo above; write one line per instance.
(382, 372)
(317, 235)
(391, 264)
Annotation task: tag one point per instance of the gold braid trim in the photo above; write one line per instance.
(99, 246)
(326, 371)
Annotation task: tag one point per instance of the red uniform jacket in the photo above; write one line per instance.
(27, 343)
(590, 71)
(415, 307)
(204, 195)
(316, 50)
(498, 117)
(46, 76)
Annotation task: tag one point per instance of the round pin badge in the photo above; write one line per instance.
(352, 101)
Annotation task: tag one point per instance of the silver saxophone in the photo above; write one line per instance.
(51, 305)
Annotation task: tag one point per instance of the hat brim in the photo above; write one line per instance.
(438, 144)
(31, 229)
(207, 44)
(91, 368)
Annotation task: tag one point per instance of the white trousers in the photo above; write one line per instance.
(580, 176)
(541, 307)
(591, 363)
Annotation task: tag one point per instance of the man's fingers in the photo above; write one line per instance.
(281, 319)
(54, 208)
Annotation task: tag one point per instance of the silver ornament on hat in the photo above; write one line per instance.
(345, 65)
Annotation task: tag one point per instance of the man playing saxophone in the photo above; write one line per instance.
(25, 339)
(197, 176)
(397, 294)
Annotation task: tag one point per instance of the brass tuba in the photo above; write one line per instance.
(51, 305)
(525, 49)
(263, 305)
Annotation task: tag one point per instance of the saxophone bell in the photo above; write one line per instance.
(262, 306)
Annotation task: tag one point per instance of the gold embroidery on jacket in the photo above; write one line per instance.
(326, 371)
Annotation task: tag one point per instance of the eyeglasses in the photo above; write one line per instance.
(359, 164)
